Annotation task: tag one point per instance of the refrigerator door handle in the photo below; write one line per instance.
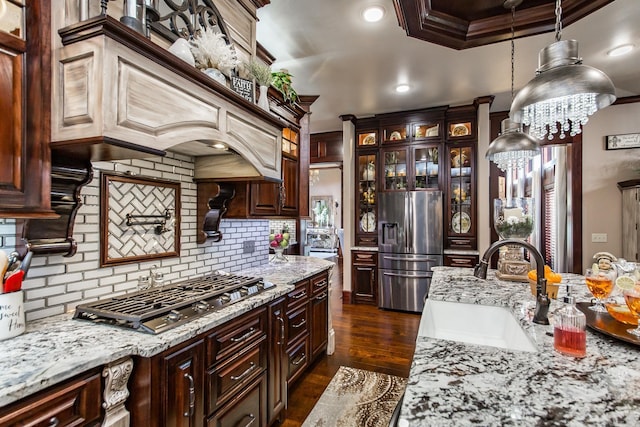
(407, 222)
(428, 276)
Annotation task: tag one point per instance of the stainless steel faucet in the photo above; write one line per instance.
(540, 315)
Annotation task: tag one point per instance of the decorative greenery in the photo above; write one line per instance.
(512, 227)
(282, 82)
(210, 50)
(261, 72)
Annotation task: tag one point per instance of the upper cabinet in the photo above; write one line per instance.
(25, 108)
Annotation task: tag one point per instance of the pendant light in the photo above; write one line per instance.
(512, 148)
(564, 92)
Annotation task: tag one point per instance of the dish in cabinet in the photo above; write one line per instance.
(459, 160)
(395, 135)
(368, 222)
(460, 222)
(460, 130)
(433, 131)
(369, 140)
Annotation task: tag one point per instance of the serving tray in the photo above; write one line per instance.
(604, 323)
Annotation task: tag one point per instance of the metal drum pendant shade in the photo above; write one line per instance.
(563, 94)
(512, 148)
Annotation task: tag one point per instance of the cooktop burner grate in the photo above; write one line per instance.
(158, 309)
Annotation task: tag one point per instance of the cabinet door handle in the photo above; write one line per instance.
(245, 336)
(300, 295)
(300, 360)
(299, 325)
(252, 418)
(321, 284)
(54, 422)
(192, 396)
(281, 320)
(283, 195)
(322, 296)
(242, 376)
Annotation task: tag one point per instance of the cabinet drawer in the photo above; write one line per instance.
(366, 241)
(232, 375)
(300, 295)
(319, 284)
(76, 402)
(460, 260)
(249, 408)
(298, 359)
(461, 243)
(297, 323)
(364, 258)
(238, 335)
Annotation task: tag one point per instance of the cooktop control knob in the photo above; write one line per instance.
(235, 295)
(174, 316)
(250, 290)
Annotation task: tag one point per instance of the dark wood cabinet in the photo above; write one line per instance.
(364, 277)
(25, 106)
(319, 315)
(76, 402)
(181, 376)
(289, 192)
(460, 260)
(276, 373)
(326, 147)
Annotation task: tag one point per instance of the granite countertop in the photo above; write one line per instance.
(58, 347)
(453, 383)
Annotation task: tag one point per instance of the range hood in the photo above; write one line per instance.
(118, 95)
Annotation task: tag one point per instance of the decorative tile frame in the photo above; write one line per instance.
(153, 236)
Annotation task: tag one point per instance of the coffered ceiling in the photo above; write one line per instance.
(354, 66)
(466, 24)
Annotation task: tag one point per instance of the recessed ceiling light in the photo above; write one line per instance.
(620, 50)
(219, 146)
(402, 88)
(373, 13)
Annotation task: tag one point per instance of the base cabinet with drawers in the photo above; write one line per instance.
(364, 277)
(237, 374)
(75, 402)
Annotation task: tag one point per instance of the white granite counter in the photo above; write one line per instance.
(59, 347)
(459, 384)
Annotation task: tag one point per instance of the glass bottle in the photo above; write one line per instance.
(570, 329)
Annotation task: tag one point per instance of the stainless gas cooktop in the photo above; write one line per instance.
(158, 309)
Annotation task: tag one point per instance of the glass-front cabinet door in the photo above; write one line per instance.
(366, 213)
(394, 169)
(426, 165)
(461, 190)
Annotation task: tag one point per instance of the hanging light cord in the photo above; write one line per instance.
(513, 48)
(558, 20)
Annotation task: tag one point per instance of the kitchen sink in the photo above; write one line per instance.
(473, 324)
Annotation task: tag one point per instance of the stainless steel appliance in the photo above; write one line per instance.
(409, 244)
(158, 309)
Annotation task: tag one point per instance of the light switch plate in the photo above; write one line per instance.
(599, 237)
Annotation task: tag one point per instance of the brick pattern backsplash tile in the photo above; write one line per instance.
(57, 284)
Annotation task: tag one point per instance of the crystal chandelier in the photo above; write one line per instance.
(564, 92)
(512, 148)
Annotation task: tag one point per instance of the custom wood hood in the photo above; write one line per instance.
(117, 95)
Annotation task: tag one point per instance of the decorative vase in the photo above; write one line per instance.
(216, 75)
(182, 50)
(263, 101)
(279, 255)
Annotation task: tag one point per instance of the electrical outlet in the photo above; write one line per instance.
(248, 246)
(599, 237)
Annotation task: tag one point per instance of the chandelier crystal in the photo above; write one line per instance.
(564, 92)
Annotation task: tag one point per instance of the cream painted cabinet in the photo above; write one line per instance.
(630, 219)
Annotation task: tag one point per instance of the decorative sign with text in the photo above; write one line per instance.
(11, 315)
(242, 87)
(618, 142)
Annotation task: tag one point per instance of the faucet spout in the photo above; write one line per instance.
(542, 300)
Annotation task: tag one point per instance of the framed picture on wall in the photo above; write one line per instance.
(624, 141)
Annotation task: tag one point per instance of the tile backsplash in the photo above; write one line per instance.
(57, 284)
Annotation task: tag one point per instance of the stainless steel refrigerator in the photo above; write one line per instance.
(409, 244)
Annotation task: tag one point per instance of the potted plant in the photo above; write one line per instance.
(282, 82)
(262, 75)
(212, 52)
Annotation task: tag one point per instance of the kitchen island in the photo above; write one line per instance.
(454, 383)
(58, 347)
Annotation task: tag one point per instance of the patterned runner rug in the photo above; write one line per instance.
(357, 398)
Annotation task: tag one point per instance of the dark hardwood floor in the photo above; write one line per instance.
(366, 338)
